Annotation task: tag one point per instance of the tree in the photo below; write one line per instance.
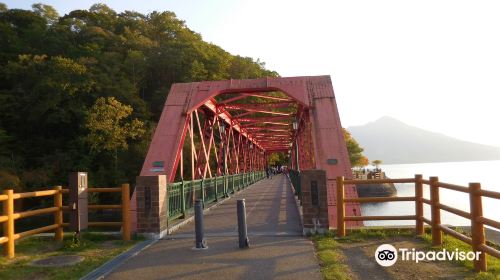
(42, 99)
(109, 128)
(377, 162)
(9, 180)
(276, 159)
(46, 11)
(4, 138)
(58, 73)
(364, 161)
(5, 150)
(354, 150)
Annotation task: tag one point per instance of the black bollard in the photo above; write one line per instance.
(198, 223)
(242, 224)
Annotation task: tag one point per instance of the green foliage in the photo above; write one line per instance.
(355, 151)
(109, 130)
(5, 142)
(61, 79)
(9, 181)
(48, 12)
(277, 159)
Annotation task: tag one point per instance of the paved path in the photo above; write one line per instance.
(278, 251)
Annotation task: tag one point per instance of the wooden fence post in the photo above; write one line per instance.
(126, 212)
(477, 228)
(437, 234)
(419, 205)
(58, 215)
(8, 226)
(340, 207)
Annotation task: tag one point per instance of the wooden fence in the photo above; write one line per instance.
(478, 221)
(9, 216)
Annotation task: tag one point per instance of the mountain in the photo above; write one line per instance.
(393, 141)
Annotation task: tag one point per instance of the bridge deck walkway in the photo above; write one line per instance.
(277, 249)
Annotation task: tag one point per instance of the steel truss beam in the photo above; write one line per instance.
(249, 111)
(263, 119)
(256, 106)
(189, 141)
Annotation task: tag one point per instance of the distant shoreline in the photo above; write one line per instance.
(438, 162)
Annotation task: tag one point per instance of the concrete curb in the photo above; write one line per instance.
(109, 266)
(297, 203)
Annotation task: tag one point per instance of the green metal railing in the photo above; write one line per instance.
(181, 195)
(295, 179)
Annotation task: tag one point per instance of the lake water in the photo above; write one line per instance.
(461, 173)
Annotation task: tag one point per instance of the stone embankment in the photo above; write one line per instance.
(374, 190)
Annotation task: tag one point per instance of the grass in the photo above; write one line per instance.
(95, 248)
(375, 233)
(450, 243)
(331, 258)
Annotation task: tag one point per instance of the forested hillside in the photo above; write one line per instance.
(83, 91)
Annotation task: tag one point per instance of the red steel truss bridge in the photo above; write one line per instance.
(216, 135)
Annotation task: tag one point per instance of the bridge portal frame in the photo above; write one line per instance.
(318, 141)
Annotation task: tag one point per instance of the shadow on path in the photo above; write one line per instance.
(277, 251)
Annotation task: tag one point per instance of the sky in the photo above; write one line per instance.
(431, 64)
